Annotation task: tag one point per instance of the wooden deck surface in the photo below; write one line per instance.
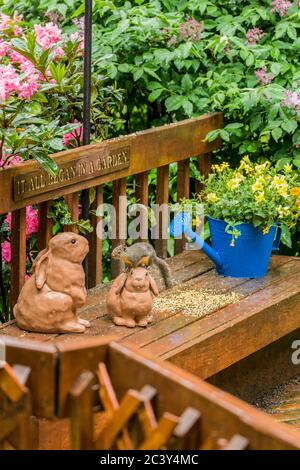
(268, 309)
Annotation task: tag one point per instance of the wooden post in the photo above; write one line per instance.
(95, 253)
(81, 412)
(18, 254)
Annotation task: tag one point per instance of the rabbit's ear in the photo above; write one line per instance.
(153, 285)
(41, 253)
(120, 284)
(40, 268)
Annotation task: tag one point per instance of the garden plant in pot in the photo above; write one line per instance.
(249, 209)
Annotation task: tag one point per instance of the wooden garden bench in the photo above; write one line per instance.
(266, 311)
(153, 405)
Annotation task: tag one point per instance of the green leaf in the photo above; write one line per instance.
(155, 94)
(224, 135)
(174, 102)
(188, 107)
(289, 126)
(286, 237)
(186, 83)
(46, 162)
(276, 133)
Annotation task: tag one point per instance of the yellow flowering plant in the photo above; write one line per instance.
(259, 194)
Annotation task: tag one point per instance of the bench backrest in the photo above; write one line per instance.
(94, 166)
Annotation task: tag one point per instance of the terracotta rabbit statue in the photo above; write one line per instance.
(50, 298)
(130, 299)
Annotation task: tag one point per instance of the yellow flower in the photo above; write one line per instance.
(212, 197)
(266, 230)
(288, 168)
(246, 165)
(281, 186)
(234, 183)
(298, 203)
(258, 185)
(261, 168)
(295, 191)
(260, 197)
(219, 168)
(283, 211)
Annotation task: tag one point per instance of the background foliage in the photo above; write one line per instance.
(166, 60)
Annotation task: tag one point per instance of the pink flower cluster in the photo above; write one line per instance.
(31, 227)
(6, 22)
(78, 36)
(281, 7)
(292, 101)
(71, 139)
(32, 222)
(11, 82)
(10, 161)
(263, 77)
(191, 29)
(4, 48)
(49, 36)
(254, 35)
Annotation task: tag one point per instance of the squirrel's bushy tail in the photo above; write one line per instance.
(165, 272)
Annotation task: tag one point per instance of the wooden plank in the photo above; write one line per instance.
(95, 253)
(221, 413)
(142, 188)
(204, 166)
(183, 191)
(187, 433)
(237, 442)
(45, 225)
(42, 360)
(160, 436)
(81, 412)
(74, 358)
(73, 202)
(142, 196)
(162, 197)
(243, 329)
(119, 204)
(9, 383)
(130, 403)
(18, 254)
(148, 149)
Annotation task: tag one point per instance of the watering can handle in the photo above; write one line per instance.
(277, 238)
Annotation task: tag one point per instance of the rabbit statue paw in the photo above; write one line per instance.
(49, 299)
(130, 299)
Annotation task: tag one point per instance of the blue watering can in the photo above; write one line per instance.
(248, 258)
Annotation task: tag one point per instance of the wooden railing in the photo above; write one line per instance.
(94, 166)
(112, 396)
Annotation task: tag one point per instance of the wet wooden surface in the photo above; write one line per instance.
(268, 309)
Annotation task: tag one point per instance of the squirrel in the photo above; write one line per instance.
(142, 254)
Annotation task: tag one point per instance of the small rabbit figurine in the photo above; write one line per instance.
(50, 298)
(129, 301)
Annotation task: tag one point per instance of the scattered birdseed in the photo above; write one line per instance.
(191, 301)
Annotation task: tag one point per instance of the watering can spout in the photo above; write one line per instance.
(181, 224)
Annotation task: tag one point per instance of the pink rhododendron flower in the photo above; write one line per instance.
(72, 137)
(58, 53)
(18, 30)
(254, 35)
(191, 29)
(292, 101)
(32, 222)
(9, 81)
(263, 77)
(281, 7)
(5, 22)
(78, 37)
(48, 35)
(28, 87)
(4, 48)
(6, 252)
(10, 162)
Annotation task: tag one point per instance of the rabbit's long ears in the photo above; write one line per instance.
(40, 268)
